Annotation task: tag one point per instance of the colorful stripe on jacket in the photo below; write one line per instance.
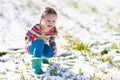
(35, 32)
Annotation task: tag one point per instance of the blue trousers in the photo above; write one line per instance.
(39, 49)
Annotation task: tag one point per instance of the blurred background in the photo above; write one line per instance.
(83, 16)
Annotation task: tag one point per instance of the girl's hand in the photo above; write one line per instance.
(55, 53)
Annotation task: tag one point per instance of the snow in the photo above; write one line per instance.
(91, 22)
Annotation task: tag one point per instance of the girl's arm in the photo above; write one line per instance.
(53, 44)
(29, 38)
(32, 34)
(55, 52)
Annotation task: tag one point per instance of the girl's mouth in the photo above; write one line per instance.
(49, 26)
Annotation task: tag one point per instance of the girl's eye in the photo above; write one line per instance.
(53, 21)
(48, 20)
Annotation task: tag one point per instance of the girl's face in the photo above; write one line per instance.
(48, 22)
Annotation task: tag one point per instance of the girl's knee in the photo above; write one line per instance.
(38, 42)
(36, 48)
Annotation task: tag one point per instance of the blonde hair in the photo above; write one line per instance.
(49, 10)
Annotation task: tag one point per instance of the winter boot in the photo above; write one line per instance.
(36, 65)
(45, 61)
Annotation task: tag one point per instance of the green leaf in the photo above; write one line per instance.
(114, 46)
(105, 51)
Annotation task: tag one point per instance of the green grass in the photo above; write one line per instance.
(3, 53)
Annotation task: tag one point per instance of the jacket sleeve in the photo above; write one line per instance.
(30, 35)
(52, 42)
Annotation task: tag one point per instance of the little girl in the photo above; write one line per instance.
(40, 40)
